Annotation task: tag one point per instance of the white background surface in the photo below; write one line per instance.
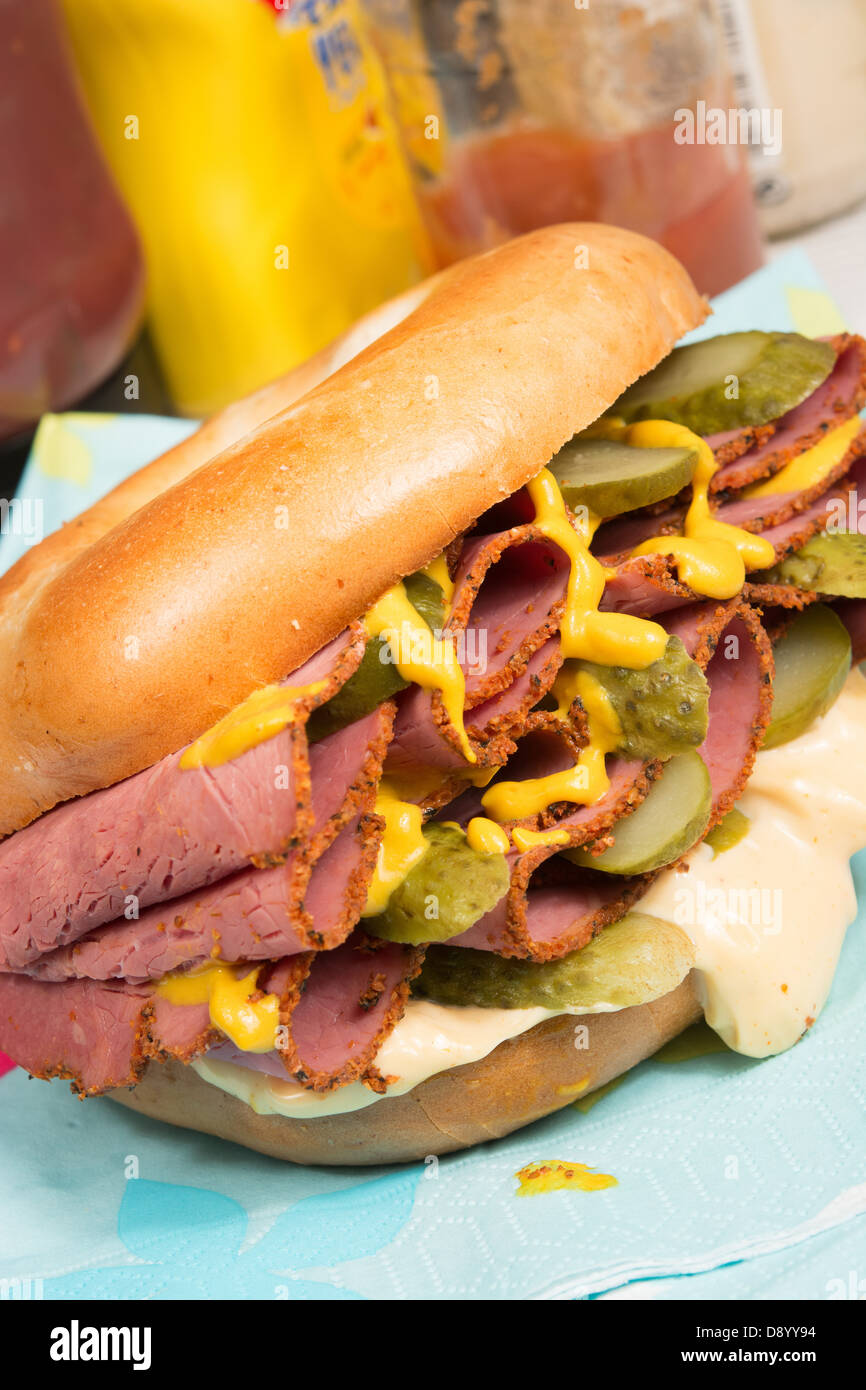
(838, 251)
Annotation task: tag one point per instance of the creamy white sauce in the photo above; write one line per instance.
(767, 918)
(429, 1038)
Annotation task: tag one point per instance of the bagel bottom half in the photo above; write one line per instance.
(529, 1076)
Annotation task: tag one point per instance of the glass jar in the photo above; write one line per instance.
(517, 115)
(72, 288)
(808, 63)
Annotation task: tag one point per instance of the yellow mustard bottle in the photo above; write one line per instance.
(253, 146)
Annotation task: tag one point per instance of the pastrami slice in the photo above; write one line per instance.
(91, 1034)
(553, 908)
(740, 677)
(179, 1031)
(762, 512)
(843, 505)
(96, 1036)
(337, 1015)
(535, 923)
(509, 591)
(493, 727)
(311, 901)
(161, 834)
(337, 889)
(101, 1036)
(253, 915)
(729, 445)
(839, 397)
(645, 587)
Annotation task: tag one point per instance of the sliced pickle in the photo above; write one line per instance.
(726, 382)
(832, 563)
(637, 959)
(670, 819)
(373, 682)
(376, 680)
(813, 658)
(446, 892)
(730, 830)
(610, 478)
(426, 598)
(663, 709)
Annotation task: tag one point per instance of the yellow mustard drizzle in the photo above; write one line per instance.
(612, 639)
(424, 781)
(555, 1174)
(575, 1088)
(250, 1024)
(486, 837)
(263, 715)
(530, 839)
(711, 556)
(565, 688)
(812, 466)
(712, 568)
(482, 775)
(584, 783)
(403, 844)
(415, 785)
(605, 427)
(430, 662)
(437, 570)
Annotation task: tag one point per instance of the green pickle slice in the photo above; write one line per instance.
(609, 477)
(373, 682)
(730, 830)
(376, 680)
(830, 563)
(663, 709)
(726, 382)
(427, 598)
(813, 659)
(446, 892)
(638, 959)
(670, 819)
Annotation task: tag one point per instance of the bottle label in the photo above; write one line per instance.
(771, 184)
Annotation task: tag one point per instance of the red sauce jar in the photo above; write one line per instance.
(71, 276)
(518, 115)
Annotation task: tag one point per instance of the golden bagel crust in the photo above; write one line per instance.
(217, 433)
(240, 571)
(520, 1081)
